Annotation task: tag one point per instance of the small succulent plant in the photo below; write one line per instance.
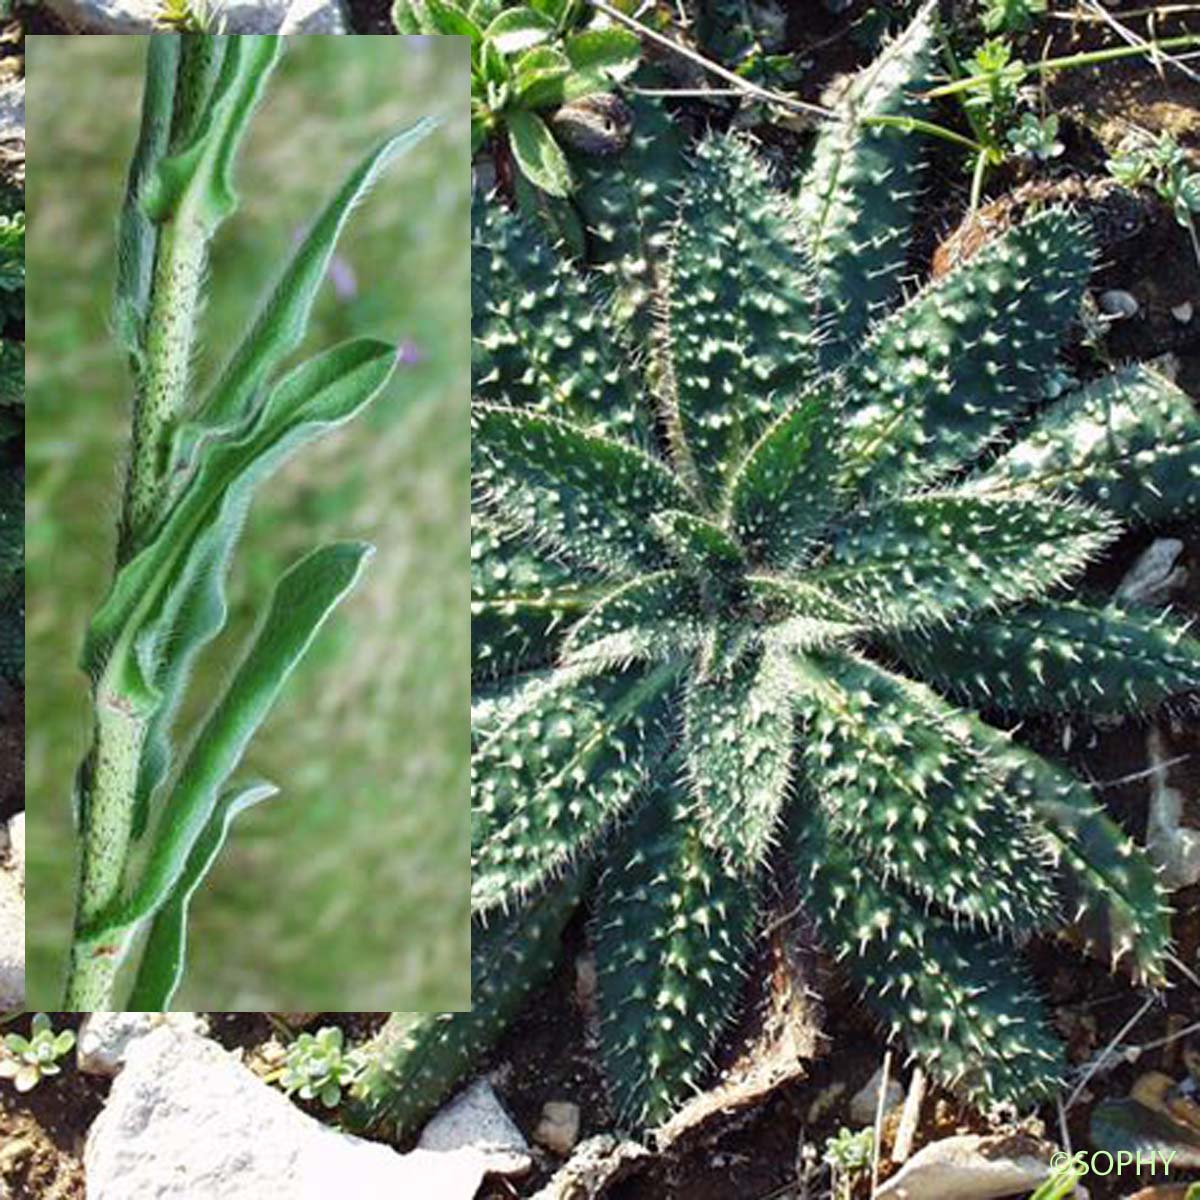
(848, 1154)
(527, 59)
(30, 1059)
(318, 1066)
(739, 591)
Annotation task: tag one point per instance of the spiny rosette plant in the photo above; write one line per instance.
(738, 592)
(152, 820)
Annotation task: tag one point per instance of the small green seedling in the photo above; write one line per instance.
(31, 1059)
(1036, 138)
(525, 60)
(1163, 165)
(318, 1066)
(1011, 16)
(848, 1155)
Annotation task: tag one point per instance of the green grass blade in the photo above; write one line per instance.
(165, 950)
(304, 597)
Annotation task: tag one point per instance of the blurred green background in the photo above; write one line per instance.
(350, 892)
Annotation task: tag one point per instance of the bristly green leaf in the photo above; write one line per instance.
(962, 1004)
(417, 1059)
(652, 617)
(738, 734)
(560, 769)
(520, 603)
(304, 598)
(945, 376)
(588, 498)
(903, 780)
(165, 952)
(1128, 442)
(859, 196)
(740, 318)
(786, 491)
(1062, 657)
(671, 926)
(913, 562)
(540, 338)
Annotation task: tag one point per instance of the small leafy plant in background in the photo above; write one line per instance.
(30, 1059)
(151, 821)
(740, 596)
(318, 1066)
(526, 60)
(848, 1154)
(1161, 164)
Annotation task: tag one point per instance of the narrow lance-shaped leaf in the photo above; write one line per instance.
(786, 490)
(540, 335)
(280, 324)
(137, 235)
(317, 396)
(304, 597)
(197, 179)
(962, 1003)
(521, 603)
(552, 778)
(738, 737)
(165, 949)
(944, 377)
(900, 775)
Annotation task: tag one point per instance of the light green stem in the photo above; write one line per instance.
(178, 276)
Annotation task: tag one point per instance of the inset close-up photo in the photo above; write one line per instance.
(247, 523)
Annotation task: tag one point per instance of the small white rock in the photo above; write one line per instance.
(558, 1130)
(475, 1119)
(185, 1119)
(16, 839)
(1118, 304)
(1155, 574)
(105, 1037)
(970, 1167)
(1183, 312)
(12, 920)
(236, 16)
(865, 1103)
